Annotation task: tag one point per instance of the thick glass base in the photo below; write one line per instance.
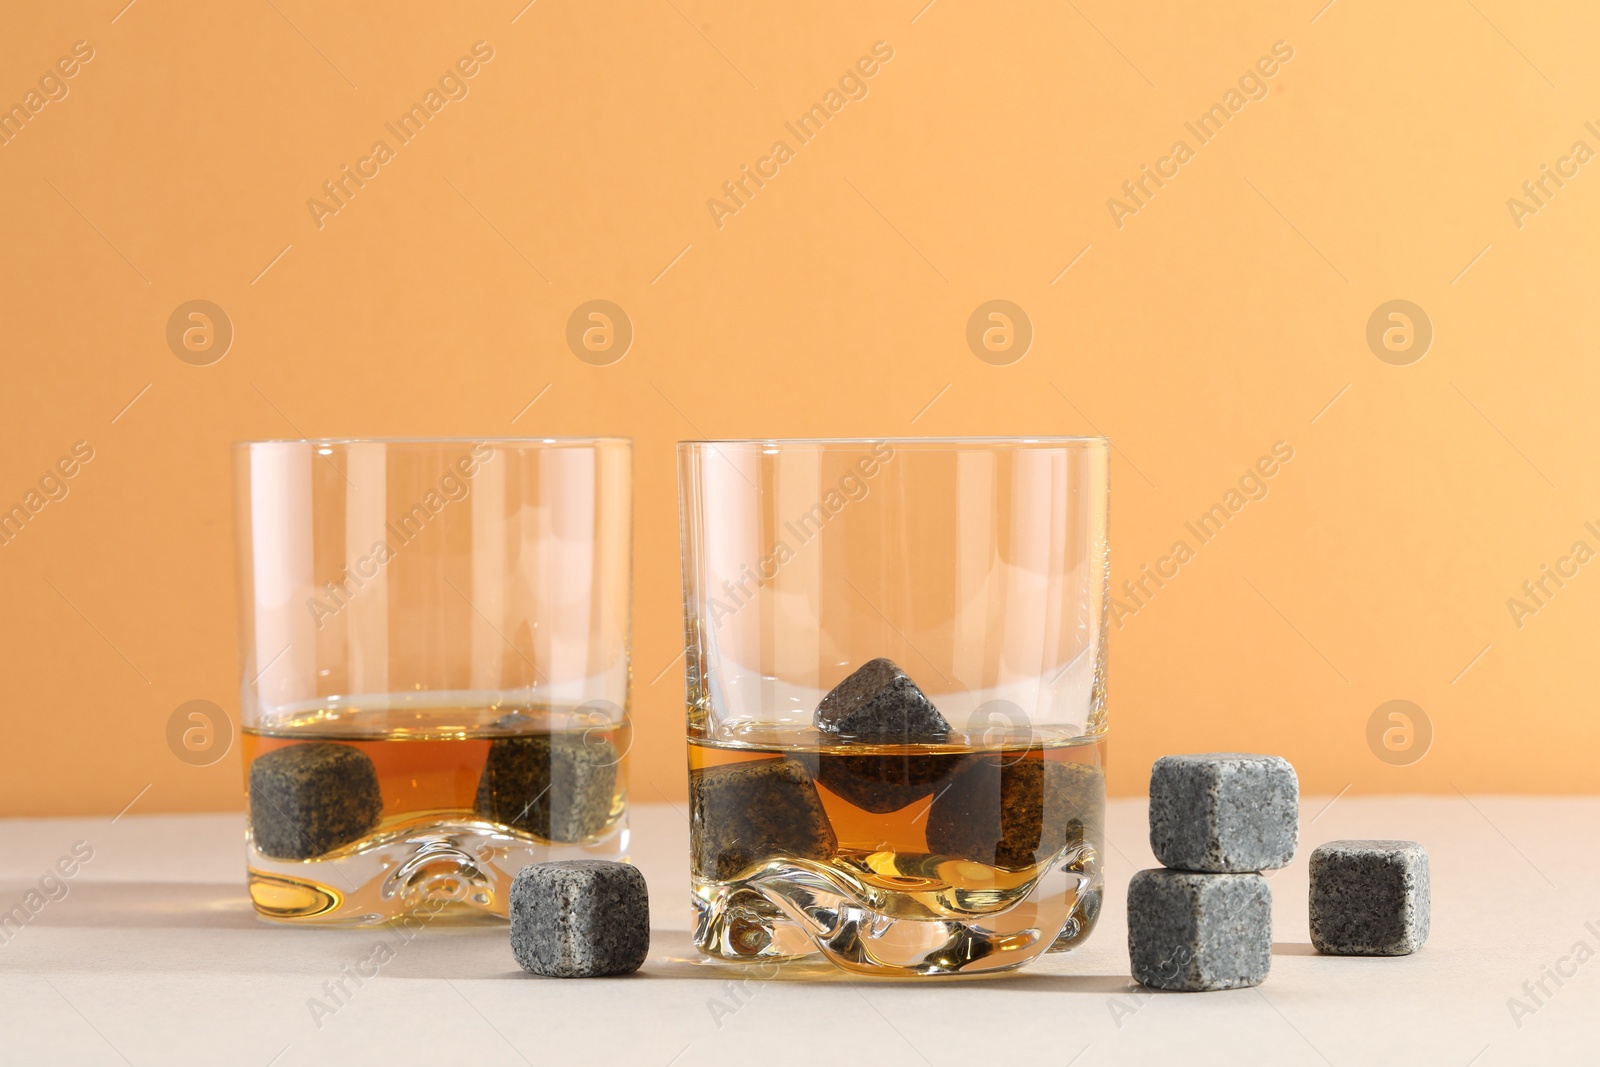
(929, 915)
(962, 858)
(452, 869)
(369, 815)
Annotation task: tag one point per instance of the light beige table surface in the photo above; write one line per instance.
(154, 956)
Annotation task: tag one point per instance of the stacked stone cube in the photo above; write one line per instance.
(1203, 921)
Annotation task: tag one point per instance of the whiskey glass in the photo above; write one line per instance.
(896, 715)
(434, 637)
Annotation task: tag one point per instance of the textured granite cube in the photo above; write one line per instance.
(1015, 810)
(580, 918)
(308, 799)
(886, 781)
(556, 786)
(1224, 812)
(881, 704)
(1369, 898)
(1193, 932)
(743, 814)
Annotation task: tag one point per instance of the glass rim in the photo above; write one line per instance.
(524, 442)
(1021, 441)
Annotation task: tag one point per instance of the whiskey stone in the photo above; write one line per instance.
(308, 799)
(1369, 898)
(1193, 932)
(1224, 812)
(886, 781)
(580, 918)
(879, 703)
(1016, 810)
(555, 786)
(747, 813)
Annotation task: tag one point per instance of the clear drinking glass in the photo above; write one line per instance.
(435, 643)
(857, 822)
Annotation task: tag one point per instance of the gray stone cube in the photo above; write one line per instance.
(743, 814)
(882, 782)
(580, 918)
(556, 786)
(1369, 898)
(880, 703)
(308, 799)
(1016, 810)
(1193, 932)
(1224, 812)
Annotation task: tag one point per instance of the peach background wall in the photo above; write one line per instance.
(1369, 154)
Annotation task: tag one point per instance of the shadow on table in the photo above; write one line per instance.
(144, 905)
(673, 955)
(212, 928)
